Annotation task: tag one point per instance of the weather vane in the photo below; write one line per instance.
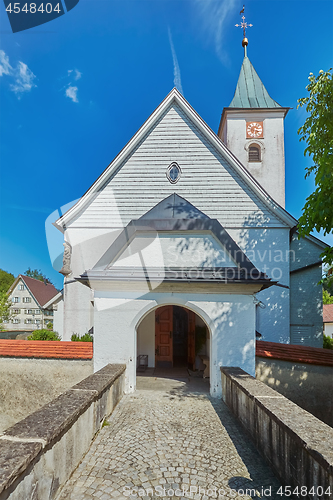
(244, 25)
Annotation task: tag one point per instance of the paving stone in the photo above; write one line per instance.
(175, 439)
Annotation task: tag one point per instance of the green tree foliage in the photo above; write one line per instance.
(87, 337)
(327, 297)
(328, 280)
(37, 275)
(6, 280)
(44, 335)
(317, 132)
(327, 342)
(5, 313)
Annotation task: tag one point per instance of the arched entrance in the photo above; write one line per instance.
(173, 336)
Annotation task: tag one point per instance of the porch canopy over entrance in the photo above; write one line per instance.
(174, 255)
(175, 243)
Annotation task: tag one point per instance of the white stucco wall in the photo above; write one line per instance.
(230, 319)
(88, 246)
(58, 318)
(270, 172)
(146, 338)
(78, 309)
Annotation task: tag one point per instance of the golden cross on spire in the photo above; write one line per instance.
(244, 25)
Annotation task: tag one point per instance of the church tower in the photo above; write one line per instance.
(252, 127)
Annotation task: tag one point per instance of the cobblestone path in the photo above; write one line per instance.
(172, 438)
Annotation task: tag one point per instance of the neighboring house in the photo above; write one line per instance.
(31, 304)
(56, 304)
(182, 249)
(328, 319)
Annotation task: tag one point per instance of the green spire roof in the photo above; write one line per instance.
(250, 91)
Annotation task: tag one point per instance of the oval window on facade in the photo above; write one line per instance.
(254, 153)
(173, 173)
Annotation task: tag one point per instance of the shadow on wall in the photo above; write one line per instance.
(271, 251)
(228, 319)
(268, 250)
(309, 386)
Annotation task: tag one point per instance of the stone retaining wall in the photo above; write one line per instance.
(39, 453)
(297, 445)
(27, 384)
(309, 386)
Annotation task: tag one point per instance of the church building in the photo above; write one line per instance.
(182, 249)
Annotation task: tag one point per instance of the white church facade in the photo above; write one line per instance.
(182, 249)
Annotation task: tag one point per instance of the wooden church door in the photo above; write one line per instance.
(163, 336)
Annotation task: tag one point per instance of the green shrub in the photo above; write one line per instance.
(327, 342)
(87, 337)
(44, 335)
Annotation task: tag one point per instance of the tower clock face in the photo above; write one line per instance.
(254, 129)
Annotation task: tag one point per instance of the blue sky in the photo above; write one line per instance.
(75, 90)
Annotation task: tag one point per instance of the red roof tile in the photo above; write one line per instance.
(46, 349)
(328, 313)
(295, 353)
(41, 291)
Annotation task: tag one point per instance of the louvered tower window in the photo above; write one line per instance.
(254, 153)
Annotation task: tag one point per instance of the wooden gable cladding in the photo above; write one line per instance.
(208, 180)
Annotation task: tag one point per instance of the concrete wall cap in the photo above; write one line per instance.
(14, 459)
(309, 431)
(51, 420)
(102, 379)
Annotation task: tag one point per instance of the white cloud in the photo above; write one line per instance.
(24, 79)
(78, 75)
(71, 89)
(71, 92)
(176, 70)
(22, 75)
(5, 67)
(213, 14)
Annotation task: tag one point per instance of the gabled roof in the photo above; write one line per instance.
(42, 292)
(328, 313)
(250, 91)
(174, 97)
(55, 299)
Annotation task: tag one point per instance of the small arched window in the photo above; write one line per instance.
(254, 153)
